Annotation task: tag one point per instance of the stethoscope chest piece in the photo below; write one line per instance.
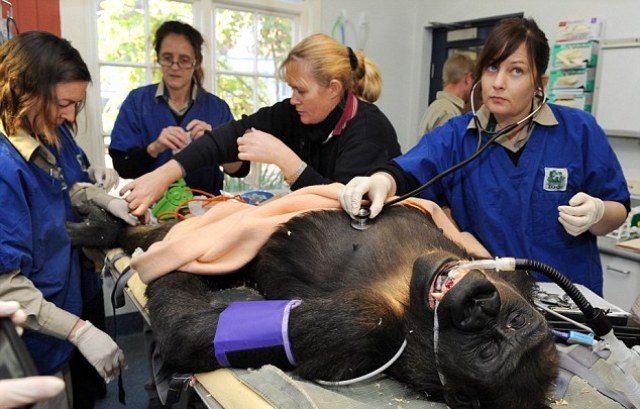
(362, 221)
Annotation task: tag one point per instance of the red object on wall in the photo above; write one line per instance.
(35, 14)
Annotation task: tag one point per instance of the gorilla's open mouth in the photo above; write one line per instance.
(448, 275)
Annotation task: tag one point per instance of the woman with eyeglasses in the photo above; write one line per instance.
(158, 120)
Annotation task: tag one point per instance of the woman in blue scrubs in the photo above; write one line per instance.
(543, 191)
(158, 120)
(43, 81)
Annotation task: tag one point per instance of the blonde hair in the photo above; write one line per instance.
(327, 59)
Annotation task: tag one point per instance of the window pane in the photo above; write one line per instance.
(115, 84)
(237, 90)
(121, 35)
(274, 42)
(235, 40)
(271, 90)
(163, 10)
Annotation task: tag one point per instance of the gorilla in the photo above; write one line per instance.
(473, 340)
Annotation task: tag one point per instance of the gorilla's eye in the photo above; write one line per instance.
(516, 321)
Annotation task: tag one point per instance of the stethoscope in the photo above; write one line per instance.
(362, 219)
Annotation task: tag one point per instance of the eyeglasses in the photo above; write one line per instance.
(183, 62)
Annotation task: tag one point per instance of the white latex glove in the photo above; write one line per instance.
(120, 208)
(583, 212)
(23, 391)
(376, 187)
(12, 310)
(104, 178)
(100, 350)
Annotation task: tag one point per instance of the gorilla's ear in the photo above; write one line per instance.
(460, 400)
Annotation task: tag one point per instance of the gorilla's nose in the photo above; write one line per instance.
(473, 302)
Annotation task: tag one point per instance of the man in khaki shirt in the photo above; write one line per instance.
(457, 81)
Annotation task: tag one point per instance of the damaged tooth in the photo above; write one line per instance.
(437, 296)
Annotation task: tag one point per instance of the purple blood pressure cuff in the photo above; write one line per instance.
(255, 333)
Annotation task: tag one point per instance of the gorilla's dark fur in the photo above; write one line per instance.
(363, 293)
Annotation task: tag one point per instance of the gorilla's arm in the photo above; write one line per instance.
(346, 330)
(343, 337)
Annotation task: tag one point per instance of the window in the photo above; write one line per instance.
(244, 45)
(249, 47)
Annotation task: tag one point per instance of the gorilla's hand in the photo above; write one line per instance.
(98, 227)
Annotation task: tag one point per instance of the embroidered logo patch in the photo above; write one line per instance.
(555, 179)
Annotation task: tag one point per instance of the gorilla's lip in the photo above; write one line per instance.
(443, 280)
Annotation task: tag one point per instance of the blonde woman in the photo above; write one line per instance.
(328, 131)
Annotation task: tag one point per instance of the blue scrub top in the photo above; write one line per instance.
(513, 209)
(34, 239)
(142, 117)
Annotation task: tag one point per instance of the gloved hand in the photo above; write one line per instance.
(120, 208)
(104, 178)
(376, 187)
(100, 350)
(12, 310)
(583, 212)
(23, 391)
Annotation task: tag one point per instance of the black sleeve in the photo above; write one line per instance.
(131, 164)
(213, 148)
(367, 142)
(405, 182)
(220, 145)
(243, 171)
(309, 177)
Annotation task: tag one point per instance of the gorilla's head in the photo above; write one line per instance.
(492, 348)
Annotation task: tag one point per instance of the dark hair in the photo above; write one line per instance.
(504, 40)
(193, 36)
(31, 65)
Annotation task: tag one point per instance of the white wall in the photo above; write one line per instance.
(390, 39)
(77, 28)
